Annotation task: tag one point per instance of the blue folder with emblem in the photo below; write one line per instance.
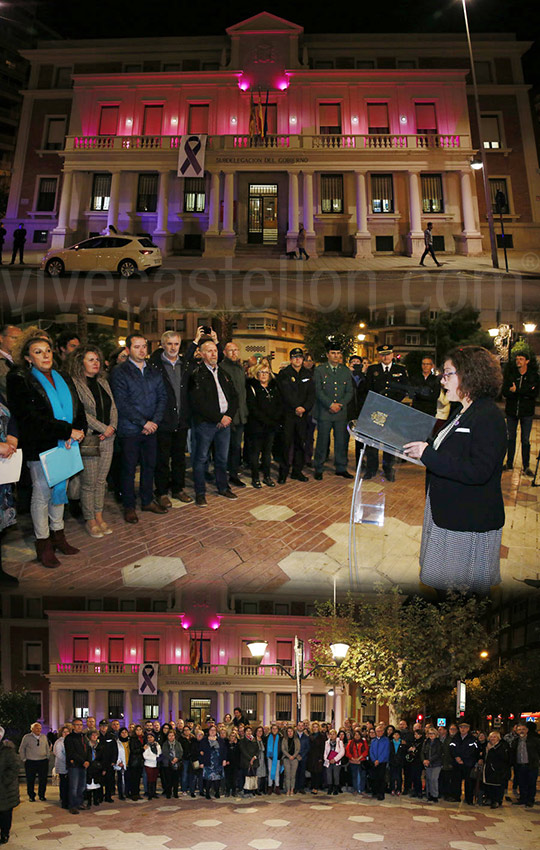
(60, 463)
(387, 424)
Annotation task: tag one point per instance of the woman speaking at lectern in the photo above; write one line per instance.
(464, 512)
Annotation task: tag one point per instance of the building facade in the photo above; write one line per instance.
(360, 138)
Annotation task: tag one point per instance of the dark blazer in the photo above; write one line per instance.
(77, 749)
(464, 474)
(140, 397)
(297, 389)
(203, 395)
(29, 404)
(497, 764)
(173, 418)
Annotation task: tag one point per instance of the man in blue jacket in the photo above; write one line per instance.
(140, 396)
(379, 754)
(305, 745)
(465, 753)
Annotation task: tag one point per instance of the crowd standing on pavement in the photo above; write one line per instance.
(94, 764)
(143, 412)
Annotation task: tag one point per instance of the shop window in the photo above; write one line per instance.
(116, 650)
(101, 192)
(318, 707)
(151, 650)
(382, 193)
(198, 118)
(426, 119)
(153, 119)
(194, 194)
(55, 131)
(116, 705)
(108, 121)
(80, 650)
(332, 193)
(491, 132)
(46, 194)
(378, 123)
(329, 118)
(147, 192)
(432, 193)
(80, 704)
(284, 707)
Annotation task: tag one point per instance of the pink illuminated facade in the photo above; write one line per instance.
(365, 139)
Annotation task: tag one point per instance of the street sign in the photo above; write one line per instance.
(461, 698)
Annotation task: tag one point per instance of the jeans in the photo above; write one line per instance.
(429, 250)
(432, 781)
(235, 448)
(526, 778)
(185, 782)
(42, 510)
(171, 461)
(358, 776)
(38, 768)
(138, 448)
(206, 434)
(77, 786)
(511, 427)
(339, 426)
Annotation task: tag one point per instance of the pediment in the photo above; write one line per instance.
(264, 22)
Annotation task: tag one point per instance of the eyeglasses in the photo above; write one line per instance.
(446, 375)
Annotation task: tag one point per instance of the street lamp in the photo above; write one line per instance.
(338, 650)
(483, 158)
(529, 327)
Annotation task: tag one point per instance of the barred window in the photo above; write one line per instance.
(80, 704)
(194, 194)
(116, 705)
(46, 196)
(101, 192)
(283, 706)
(248, 705)
(498, 184)
(318, 707)
(150, 707)
(432, 193)
(147, 192)
(332, 193)
(382, 193)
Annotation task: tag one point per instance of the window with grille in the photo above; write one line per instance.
(284, 652)
(55, 132)
(153, 118)
(151, 650)
(498, 184)
(332, 193)
(147, 192)
(80, 704)
(426, 118)
(116, 650)
(46, 195)
(194, 194)
(198, 118)
(150, 707)
(330, 117)
(80, 650)
(247, 658)
(382, 193)
(283, 706)
(378, 122)
(101, 192)
(318, 707)
(248, 704)
(491, 132)
(432, 193)
(116, 705)
(108, 121)
(33, 656)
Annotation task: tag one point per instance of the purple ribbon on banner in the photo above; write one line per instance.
(191, 155)
(148, 679)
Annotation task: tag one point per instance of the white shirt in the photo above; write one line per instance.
(223, 403)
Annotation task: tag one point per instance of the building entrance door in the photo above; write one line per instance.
(263, 214)
(199, 709)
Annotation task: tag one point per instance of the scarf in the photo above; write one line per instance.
(272, 751)
(62, 407)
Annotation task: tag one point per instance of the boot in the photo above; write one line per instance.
(330, 790)
(7, 581)
(59, 541)
(45, 553)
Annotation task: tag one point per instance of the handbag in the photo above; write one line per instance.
(196, 765)
(90, 446)
(251, 783)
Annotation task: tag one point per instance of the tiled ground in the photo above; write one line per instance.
(297, 823)
(291, 539)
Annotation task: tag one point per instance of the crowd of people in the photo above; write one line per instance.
(148, 412)
(234, 758)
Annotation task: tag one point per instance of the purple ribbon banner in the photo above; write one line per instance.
(148, 675)
(191, 152)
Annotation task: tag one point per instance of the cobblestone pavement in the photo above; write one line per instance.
(298, 823)
(291, 540)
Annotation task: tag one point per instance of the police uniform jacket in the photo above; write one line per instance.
(391, 383)
(332, 386)
(297, 389)
(464, 748)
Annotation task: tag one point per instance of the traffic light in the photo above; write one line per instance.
(419, 718)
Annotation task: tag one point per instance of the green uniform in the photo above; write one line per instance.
(332, 385)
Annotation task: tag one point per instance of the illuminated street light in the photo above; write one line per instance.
(529, 327)
(493, 332)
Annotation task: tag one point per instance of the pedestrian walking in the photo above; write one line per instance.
(301, 243)
(428, 242)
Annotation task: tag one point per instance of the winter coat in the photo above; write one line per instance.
(237, 376)
(285, 748)
(205, 750)
(77, 749)
(432, 751)
(203, 395)
(248, 749)
(522, 401)
(337, 745)
(397, 757)
(497, 764)
(140, 397)
(316, 753)
(357, 750)
(135, 753)
(10, 765)
(265, 407)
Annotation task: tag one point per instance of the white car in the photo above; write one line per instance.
(122, 253)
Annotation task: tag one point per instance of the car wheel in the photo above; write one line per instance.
(127, 267)
(55, 267)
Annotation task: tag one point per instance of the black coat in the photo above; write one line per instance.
(108, 749)
(248, 749)
(522, 401)
(77, 749)
(10, 765)
(316, 753)
(425, 392)
(297, 389)
(464, 474)
(265, 407)
(397, 757)
(136, 760)
(392, 384)
(464, 748)
(497, 764)
(359, 396)
(203, 395)
(29, 404)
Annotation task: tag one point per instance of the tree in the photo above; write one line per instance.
(457, 327)
(18, 710)
(337, 324)
(403, 650)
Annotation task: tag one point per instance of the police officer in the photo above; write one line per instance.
(334, 390)
(298, 393)
(389, 379)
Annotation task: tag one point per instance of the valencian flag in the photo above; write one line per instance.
(254, 124)
(193, 651)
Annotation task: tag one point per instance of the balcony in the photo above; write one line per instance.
(280, 142)
(215, 671)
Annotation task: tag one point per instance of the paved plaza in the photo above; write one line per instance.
(297, 823)
(292, 540)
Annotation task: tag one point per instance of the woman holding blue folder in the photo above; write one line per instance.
(49, 415)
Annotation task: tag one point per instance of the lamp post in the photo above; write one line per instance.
(483, 158)
(338, 650)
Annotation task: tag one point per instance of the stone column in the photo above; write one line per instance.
(175, 705)
(266, 709)
(303, 707)
(92, 708)
(221, 244)
(228, 205)
(292, 233)
(228, 703)
(415, 237)
(62, 229)
(471, 237)
(53, 711)
(362, 237)
(220, 706)
(112, 216)
(338, 708)
(161, 235)
(128, 707)
(311, 246)
(213, 204)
